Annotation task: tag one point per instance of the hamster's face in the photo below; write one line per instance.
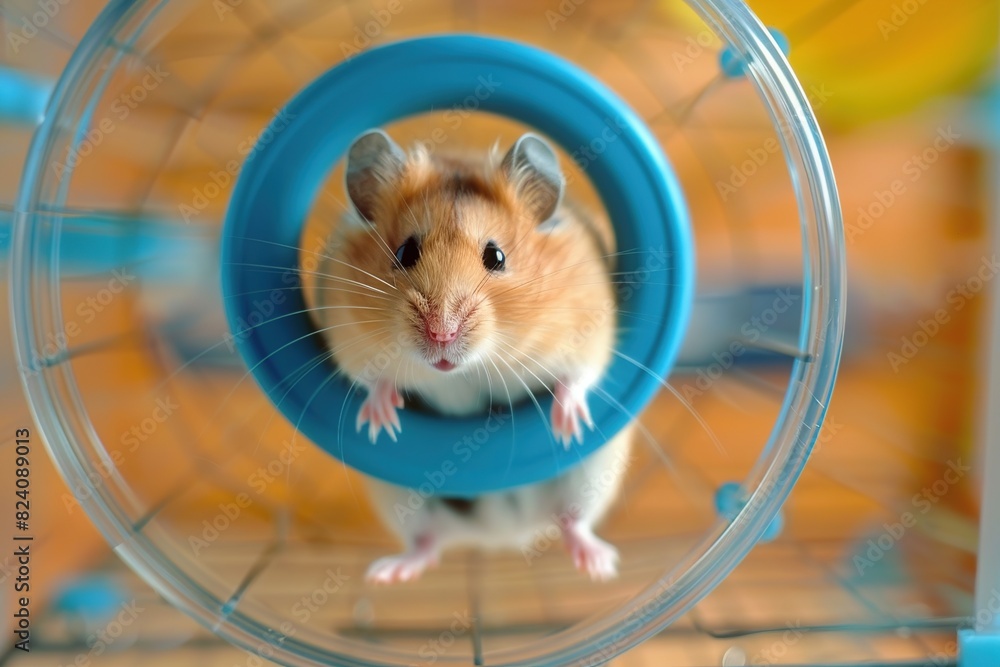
(456, 270)
(455, 245)
(451, 269)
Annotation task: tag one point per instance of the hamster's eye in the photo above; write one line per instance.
(408, 253)
(493, 257)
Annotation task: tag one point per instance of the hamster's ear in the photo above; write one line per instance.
(533, 167)
(372, 159)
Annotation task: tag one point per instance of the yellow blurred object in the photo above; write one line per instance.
(862, 61)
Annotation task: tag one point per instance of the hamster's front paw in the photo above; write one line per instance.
(568, 409)
(379, 410)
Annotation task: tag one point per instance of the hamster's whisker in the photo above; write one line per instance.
(508, 252)
(542, 276)
(262, 430)
(374, 384)
(409, 371)
(371, 229)
(511, 251)
(351, 342)
(531, 395)
(347, 399)
(274, 268)
(286, 345)
(516, 305)
(317, 287)
(482, 281)
(280, 269)
(226, 340)
(580, 263)
(315, 309)
(340, 433)
(548, 425)
(391, 253)
(489, 379)
(643, 282)
(305, 409)
(611, 400)
(535, 279)
(243, 331)
(635, 271)
(654, 444)
(284, 245)
(298, 375)
(513, 425)
(367, 273)
(610, 282)
(521, 348)
(344, 307)
(395, 380)
(618, 311)
(356, 283)
(543, 367)
(301, 374)
(683, 401)
(328, 257)
(489, 382)
(324, 288)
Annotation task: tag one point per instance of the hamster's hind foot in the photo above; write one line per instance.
(407, 566)
(379, 411)
(590, 553)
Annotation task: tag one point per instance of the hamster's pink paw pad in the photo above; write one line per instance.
(568, 409)
(399, 568)
(594, 556)
(379, 411)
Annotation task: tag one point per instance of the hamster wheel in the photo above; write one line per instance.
(206, 485)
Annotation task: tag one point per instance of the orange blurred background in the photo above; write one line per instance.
(905, 94)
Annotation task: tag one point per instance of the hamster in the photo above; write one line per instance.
(473, 283)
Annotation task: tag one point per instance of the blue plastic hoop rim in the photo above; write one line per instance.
(293, 157)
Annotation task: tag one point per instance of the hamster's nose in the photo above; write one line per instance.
(441, 332)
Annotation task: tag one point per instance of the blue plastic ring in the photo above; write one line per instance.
(283, 174)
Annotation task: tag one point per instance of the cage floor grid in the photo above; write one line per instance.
(788, 604)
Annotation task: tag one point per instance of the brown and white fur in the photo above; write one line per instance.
(453, 328)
